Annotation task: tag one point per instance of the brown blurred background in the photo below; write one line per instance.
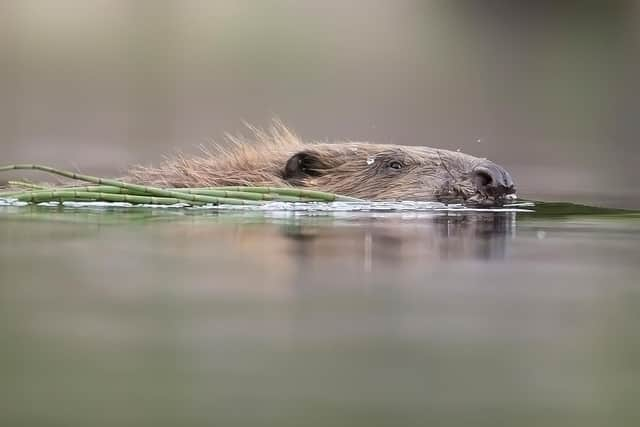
(548, 89)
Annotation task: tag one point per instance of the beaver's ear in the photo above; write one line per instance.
(303, 164)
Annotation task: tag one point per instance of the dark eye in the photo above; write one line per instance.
(395, 165)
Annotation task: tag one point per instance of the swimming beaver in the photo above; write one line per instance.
(279, 158)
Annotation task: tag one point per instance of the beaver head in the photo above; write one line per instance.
(393, 172)
(279, 158)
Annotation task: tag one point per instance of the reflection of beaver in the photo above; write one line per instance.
(369, 171)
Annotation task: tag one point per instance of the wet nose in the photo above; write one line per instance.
(493, 180)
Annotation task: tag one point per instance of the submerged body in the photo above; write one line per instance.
(279, 158)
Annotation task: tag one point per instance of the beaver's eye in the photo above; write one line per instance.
(395, 165)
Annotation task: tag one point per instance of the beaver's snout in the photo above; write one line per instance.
(492, 180)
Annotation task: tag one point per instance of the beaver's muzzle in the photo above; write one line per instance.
(492, 181)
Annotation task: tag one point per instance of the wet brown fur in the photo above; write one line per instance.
(279, 158)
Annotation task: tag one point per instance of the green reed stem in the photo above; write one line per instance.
(201, 191)
(238, 195)
(253, 193)
(153, 191)
(265, 197)
(28, 185)
(208, 191)
(71, 195)
(296, 192)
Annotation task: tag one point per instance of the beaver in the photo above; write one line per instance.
(279, 158)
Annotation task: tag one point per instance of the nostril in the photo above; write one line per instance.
(492, 180)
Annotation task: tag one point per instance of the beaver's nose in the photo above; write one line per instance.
(493, 180)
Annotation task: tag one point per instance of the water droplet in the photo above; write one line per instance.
(479, 140)
(457, 150)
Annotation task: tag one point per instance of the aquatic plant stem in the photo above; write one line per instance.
(251, 193)
(158, 192)
(293, 191)
(70, 195)
(27, 185)
(237, 195)
(205, 191)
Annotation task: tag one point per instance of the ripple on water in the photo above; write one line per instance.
(405, 206)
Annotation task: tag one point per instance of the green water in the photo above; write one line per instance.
(147, 317)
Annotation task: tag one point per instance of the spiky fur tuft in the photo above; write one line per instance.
(239, 161)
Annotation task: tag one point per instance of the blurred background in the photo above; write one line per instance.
(548, 89)
(152, 317)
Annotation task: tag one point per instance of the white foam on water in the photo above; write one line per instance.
(12, 202)
(406, 206)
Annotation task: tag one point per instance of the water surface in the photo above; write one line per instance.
(153, 317)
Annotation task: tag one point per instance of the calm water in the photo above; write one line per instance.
(149, 317)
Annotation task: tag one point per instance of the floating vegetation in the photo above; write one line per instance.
(563, 209)
(111, 190)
